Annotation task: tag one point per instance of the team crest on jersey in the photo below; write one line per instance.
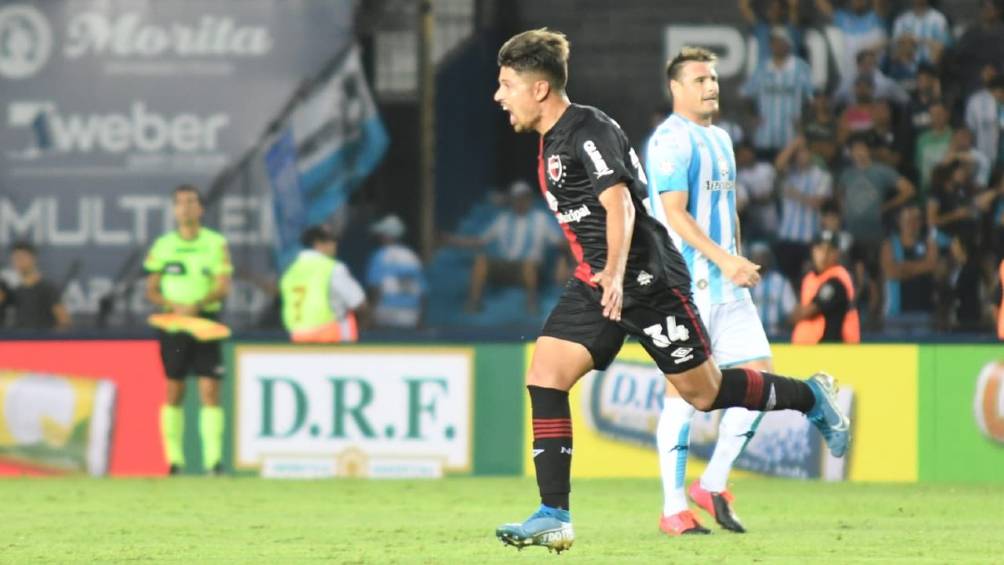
(552, 202)
(723, 168)
(555, 170)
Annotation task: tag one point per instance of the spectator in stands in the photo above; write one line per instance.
(868, 191)
(774, 298)
(320, 297)
(956, 204)
(887, 140)
(395, 279)
(960, 148)
(779, 88)
(996, 220)
(831, 220)
(883, 87)
(820, 128)
(981, 44)
(932, 145)
(927, 26)
(962, 292)
(857, 118)
(805, 186)
(35, 300)
(983, 113)
(862, 26)
(908, 260)
(755, 199)
(512, 248)
(782, 14)
(901, 65)
(826, 311)
(928, 92)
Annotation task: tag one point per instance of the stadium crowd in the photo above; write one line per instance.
(901, 156)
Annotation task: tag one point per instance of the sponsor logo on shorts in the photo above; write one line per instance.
(684, 354)
(644, 278)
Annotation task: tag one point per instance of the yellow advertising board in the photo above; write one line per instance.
(884, 446)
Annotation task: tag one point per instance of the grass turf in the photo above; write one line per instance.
(243, 520)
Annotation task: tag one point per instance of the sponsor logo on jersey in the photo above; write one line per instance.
(602, 169)
(573, 216)
(552, 202)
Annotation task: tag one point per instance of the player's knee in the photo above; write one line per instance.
(700, 400)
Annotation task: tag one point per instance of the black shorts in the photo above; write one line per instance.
(183, 355)
(662, 318)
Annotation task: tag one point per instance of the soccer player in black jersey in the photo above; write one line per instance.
(630, 279)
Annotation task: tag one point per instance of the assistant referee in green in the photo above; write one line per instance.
(188, 273)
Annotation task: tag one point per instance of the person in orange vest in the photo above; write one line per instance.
(999, 302)
(826, 311)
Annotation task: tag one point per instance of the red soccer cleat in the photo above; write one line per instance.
(718, 505)
(682, 523)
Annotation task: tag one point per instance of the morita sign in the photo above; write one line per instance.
(128, 35)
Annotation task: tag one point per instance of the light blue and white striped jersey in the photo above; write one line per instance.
(396, 272)
(983, 118)
(798, 221)
(930, 25)
(684, 156)
(858, 31)
(780, 93)
(522, 237)
(775, 301)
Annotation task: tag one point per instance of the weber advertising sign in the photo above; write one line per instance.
(106, 105)
(355, 411)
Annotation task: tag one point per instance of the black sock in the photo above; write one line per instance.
(757, 390)
(552, 444)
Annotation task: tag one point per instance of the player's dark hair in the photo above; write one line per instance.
(187, 188)
(830, 206)
(688, 55)
(25, 246)
(316, 234)
(538, 51)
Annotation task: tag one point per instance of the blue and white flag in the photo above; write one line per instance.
(327, 140)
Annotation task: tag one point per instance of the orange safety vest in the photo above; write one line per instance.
(811, 329)
(1000, 307)
(339, 331)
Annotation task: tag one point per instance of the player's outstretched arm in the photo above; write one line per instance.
(737, 268)
(616, 200)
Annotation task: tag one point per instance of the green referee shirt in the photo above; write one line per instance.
(189, 267)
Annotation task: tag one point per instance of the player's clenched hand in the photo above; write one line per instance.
(613, 293)
(741, 271)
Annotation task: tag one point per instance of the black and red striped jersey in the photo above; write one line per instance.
(584, 154)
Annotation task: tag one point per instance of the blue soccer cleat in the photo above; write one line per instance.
(547, 527)
(826, 414)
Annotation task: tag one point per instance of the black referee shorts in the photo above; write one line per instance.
(183, 355)
(661, 317)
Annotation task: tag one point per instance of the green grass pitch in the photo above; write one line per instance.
(247, 520)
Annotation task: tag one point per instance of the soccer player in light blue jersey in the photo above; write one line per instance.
(692, 172)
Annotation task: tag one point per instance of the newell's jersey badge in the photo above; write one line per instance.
(554, 168)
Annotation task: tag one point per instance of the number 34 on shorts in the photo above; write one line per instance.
(664, 336)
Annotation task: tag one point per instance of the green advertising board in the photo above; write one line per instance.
(961, 410)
